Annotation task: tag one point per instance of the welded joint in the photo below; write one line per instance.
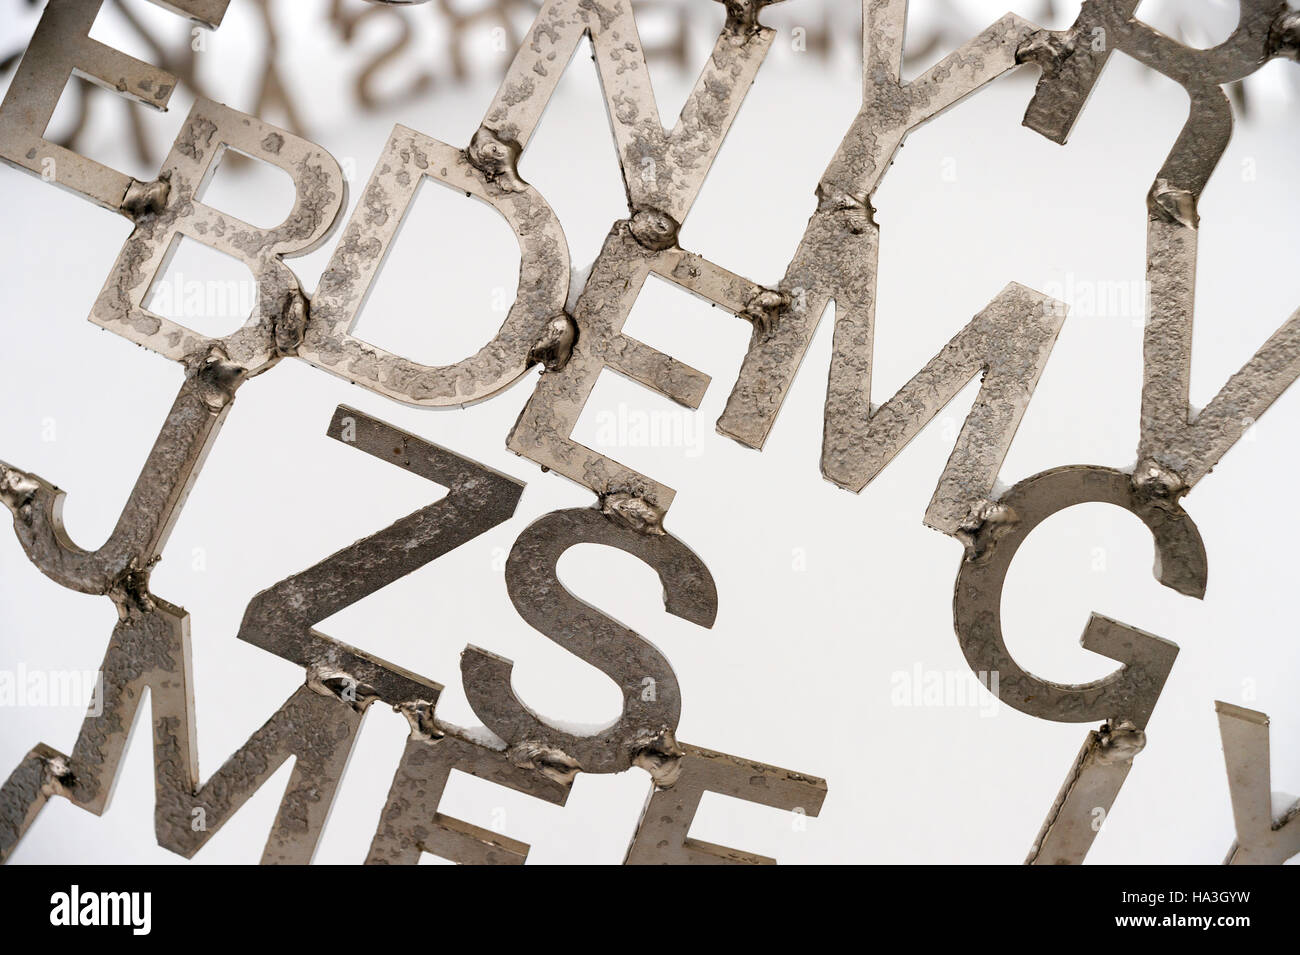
(18, 490)
(742, 16)
(653, 229)
(634, 512)
(1169, 203)
(129, 590)
(984, 525)
(858, 214)
(290, 324)
(1157, 485)
(1284, 35)
(145, 198)
(555, 764)
(57, 778)
(216, 378)
(341, 686)
(660, 756)
(419, 715)
(1119, 743)
(764, 308)
(496, 158)
(1047, 48)
(555, 346)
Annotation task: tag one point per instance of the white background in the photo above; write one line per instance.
(825, 597)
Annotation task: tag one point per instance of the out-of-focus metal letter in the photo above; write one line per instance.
(60, 48)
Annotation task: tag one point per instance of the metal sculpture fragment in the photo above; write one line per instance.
(317, 724)
(1267, 834)
(1007, 343)
(121, 566)
(280, 619)
(663, 172)
(168, 210)
(644, 733)
(1174, 451)
(408, 158)
(1125, 699)
(61, 46)
(411, 823)
(662, 836)
(825, 32)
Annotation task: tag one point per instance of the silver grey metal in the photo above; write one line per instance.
(1174, 449)
(277, 324)
(1125, 698)
(317, 724)
(1087, 795)
(408, 158)
(280, 619)
(661, 837)
(120, 568)
(1131, 692)
(644, 732)
(1007, 343)
(836, 261)
(61, 46)
(663, 172)
(1265, 836)
(149, 649)
(411, 823)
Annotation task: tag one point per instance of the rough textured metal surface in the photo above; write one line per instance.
(136, 543)
(408, 158)
(411, 823)
(280, 619)
(385, 77)
(836, 259)
(1129, 693)
(661, 837)
(1172, 438)
(663, 171)
(61, 46)
(543, 431)
(317, 725)
(651, 697)
(1267, 834)
(1125, 698)
(150, 649)
(1007, 344)
(320, 194)
(1176, 448)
